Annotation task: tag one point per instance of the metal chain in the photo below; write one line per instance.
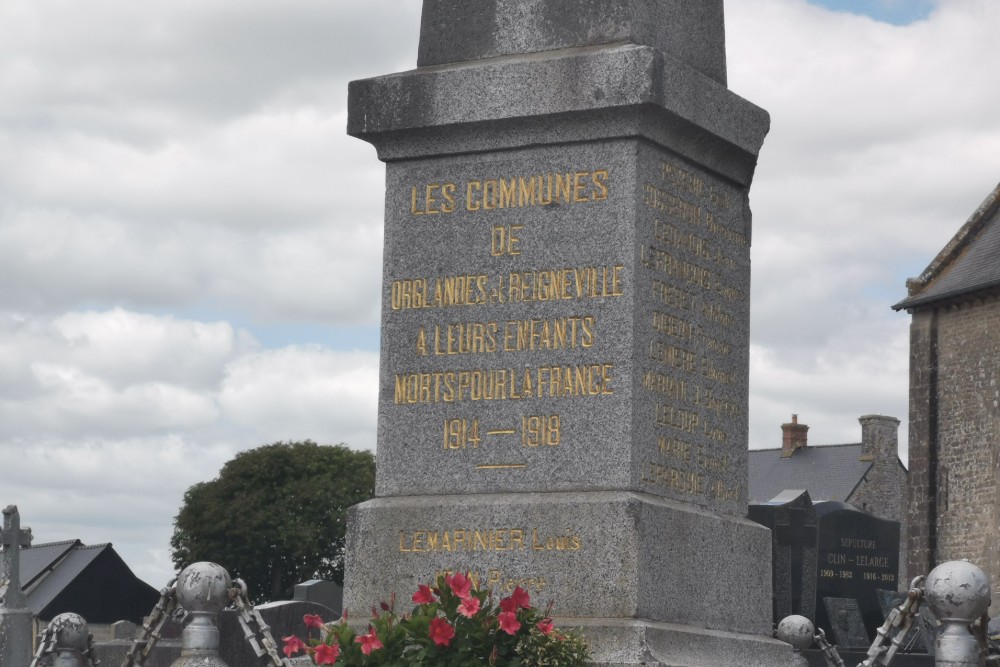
(894, 630)
(89, 653)
(46, 647)
(829, 652)
(152, 628)
(255, 630)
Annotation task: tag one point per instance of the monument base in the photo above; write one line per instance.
(649, 581)
(651, 644)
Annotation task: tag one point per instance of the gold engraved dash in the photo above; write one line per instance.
(506, 431)
(502, 466)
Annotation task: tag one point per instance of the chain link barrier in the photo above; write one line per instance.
(255, 630)
(830, 654)
(47, 648)
(165, 609)
(892, 633)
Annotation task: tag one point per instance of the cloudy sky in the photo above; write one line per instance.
(190, 246)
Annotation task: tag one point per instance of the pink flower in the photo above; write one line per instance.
(508, 622)
(313, 621)
(469, 607)
(424, 595)
(326, 654)
(459, 584)
(545, 626)
(293, 645)
(441, 631)
(519, 599)
(369, 642)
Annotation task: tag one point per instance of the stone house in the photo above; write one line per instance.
(954, 443)
(866, 474)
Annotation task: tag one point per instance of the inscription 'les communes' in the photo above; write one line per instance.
(488, 194)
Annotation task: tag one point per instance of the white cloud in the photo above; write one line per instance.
(883, 141)
(189, 157)
(307, 392)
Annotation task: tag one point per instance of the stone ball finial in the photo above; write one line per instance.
(204, 587)
(71, 632)
(797, 631)
(957, 590)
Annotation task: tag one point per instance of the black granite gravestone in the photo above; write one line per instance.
(847, 627)
(858, 554)
(792, 520)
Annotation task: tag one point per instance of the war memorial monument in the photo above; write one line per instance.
(565, 319)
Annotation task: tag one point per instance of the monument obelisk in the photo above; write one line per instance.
(565, 318)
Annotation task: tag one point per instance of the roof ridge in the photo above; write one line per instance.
(807, 447)
(55, 544)
(952, 250)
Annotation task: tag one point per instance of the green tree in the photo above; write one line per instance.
(275, 516)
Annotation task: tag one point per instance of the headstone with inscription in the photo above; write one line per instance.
(565, 317)
(792, 520)
(847, 627)
(858, 554)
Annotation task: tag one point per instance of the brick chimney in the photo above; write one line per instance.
(793, 437)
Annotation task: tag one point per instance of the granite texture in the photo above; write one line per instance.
(571, 95)
(691, 31)
(655, 256)
(598, 555)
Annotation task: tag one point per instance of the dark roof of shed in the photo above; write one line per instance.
(37, 559)
(969, 263)
(71, 567)
(828, 472)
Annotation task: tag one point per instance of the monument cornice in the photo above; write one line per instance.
(576, 94)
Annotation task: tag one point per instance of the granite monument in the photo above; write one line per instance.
(565, 317)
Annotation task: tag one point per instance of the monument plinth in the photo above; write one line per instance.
(565, 317)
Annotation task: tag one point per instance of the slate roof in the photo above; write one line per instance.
(76, 560)
(828, 472)
(90, 580)
(969, 263)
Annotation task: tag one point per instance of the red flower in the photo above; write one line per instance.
(424, 595)
(441, 631)
(369, 642)
(469, 607)
(545, 626)
(293, 645)
(519, 599)
(326, 654)
(508, 622)
(459, 584)
(313, 621)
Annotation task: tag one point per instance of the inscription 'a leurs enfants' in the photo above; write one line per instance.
(465, 338)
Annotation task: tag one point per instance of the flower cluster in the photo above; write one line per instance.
(454, 624)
